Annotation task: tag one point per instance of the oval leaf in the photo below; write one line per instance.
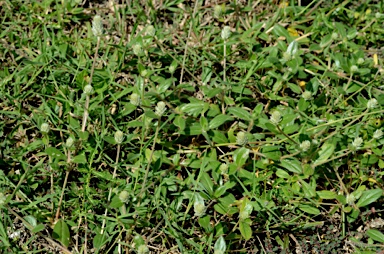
(325, 152)
(369, 196)
(309, 209)
(240, 113)
(61, 232)
(240, 156)
(292, 165)
(219, 120)
(245, 230)
(376, 235)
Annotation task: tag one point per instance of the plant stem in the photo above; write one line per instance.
(85, 116)
(110, 188)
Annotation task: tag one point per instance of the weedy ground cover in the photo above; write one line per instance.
(191, 126)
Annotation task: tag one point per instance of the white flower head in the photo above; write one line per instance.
(97, 26)
(123, 196)
(378, 134)
(226, 32)
(137, 49)
(275, 117)
(119, 137)
(88, 90)
(372, 103)
(305, 145)
(241, 138)
(357, 143)
(135, 99)
(160, 108)
(307, 95)
(44, 128)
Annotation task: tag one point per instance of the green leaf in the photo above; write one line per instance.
(179, 121)
(80, 159)
(116, 202)
(31, 220)
(369, 196)
(240, 156)
(164, 85)
(325, 152)
(219, 120)
(292, 165)
(99, 240)
(225, 205)
(206, 183)
(219, 137)
(308, 191)
(38, 228)
(325, 194)
(376, 235)
(205, 222)
(55, 153)
(272, 152)
(61, 233)
(282, 174)
(240, 113)
(309, 209)
(326, 40)
(245, 229)
(220, 244)
(195, 108)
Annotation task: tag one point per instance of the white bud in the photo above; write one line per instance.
(143, 249)
(334, 36)
(160, 108)
(144, 73)
(275, 117)
(119, 137)
(241, 138)
(307, 95)
(69, 142)
(88, 90)
(223, 168)
(218, 11)
(378, 134)
(356, 144)
(350, 198)
(123, 196)
(97, 26)
(360, 61)
(354, 68)
(305, 145)
(135, 99)
(226, 32)
(199, 209)
(150, 30)
(44, 128)
(372, 103)
(137, 49)
(199, 206)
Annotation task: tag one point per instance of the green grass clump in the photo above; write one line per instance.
(190, 127)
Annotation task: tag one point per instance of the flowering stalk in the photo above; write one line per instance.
(119, 137)
(97, 29)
